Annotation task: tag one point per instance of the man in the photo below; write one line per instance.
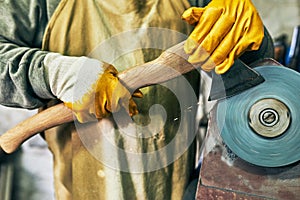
(50, 50)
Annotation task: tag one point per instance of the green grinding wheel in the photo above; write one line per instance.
(262, 125)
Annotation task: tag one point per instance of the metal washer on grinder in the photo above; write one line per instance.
(269, 117)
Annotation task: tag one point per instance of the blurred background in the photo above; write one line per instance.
(29, 173)
(26, 174)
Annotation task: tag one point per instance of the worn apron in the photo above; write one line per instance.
(79, 27)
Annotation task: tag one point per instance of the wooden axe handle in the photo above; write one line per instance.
(37, 123)
(170, 64)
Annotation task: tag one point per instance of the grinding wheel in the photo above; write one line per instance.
(262, 124)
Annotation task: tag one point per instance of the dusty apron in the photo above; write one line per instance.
(80, 27)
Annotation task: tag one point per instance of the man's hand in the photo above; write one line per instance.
(107, 95)
(88, 86)
(224, 30)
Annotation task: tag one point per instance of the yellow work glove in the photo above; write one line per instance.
(88, 86)
(224, 30)
(106, 96)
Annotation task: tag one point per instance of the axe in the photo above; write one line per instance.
(170, 64)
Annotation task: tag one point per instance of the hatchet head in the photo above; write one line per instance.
(237, 79)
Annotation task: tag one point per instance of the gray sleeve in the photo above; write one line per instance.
(23, 82)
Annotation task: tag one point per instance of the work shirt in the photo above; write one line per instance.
(23, 80)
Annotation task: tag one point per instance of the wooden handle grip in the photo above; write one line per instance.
(37, 123)
(170, 64)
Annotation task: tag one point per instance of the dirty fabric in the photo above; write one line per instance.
(84, 28)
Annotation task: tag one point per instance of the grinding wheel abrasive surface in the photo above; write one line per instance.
(235, 119)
